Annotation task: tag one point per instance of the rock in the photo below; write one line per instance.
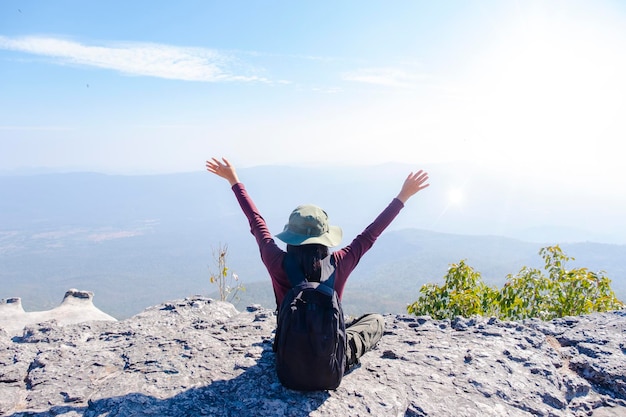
(76, 307)
(200, 357)
(12, 315)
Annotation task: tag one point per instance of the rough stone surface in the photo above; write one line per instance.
(200, 357)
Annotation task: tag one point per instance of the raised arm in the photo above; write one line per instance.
(223, 169)
(414, 183)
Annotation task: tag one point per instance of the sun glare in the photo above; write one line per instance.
(455, 196)
(551, 87)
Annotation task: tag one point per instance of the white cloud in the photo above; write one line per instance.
(43, 128)
(390, 77)
(142, 59)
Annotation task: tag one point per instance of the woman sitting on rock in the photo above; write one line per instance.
(309, 236)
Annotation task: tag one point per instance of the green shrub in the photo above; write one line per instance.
(529, 293)
(462, 294)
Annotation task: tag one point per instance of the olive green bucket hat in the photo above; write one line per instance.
(308, 224)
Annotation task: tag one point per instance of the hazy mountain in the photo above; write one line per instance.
(138, 240)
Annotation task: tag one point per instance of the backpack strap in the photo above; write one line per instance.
(294, 273)
(328, 271)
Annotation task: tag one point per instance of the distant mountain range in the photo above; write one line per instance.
(138, 240)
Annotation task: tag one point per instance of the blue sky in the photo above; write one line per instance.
(529, 87)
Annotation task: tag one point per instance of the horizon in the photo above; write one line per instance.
(461, 200)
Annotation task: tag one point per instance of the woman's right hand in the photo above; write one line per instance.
(222, 169)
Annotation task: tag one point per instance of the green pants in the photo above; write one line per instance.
(363, 334)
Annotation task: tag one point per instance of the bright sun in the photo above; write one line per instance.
(455, 196)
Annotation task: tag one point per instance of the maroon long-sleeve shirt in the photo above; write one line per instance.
(346, 258)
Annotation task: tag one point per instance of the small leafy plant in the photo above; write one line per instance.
(227, 283)
(462, 294)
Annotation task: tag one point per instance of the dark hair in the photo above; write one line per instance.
(309, 257)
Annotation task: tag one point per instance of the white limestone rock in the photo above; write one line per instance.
(76, 307)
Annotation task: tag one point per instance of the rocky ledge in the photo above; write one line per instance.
(200, 357)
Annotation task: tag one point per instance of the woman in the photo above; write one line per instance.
(308, 237)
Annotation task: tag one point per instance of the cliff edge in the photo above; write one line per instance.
(200, 357)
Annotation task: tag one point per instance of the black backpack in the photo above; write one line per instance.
(310, 340)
